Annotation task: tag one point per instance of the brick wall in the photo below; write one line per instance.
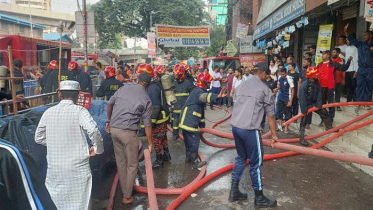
(242, 12)
(312, 4)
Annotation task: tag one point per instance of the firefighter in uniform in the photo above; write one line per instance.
(310, 95)
(182, 89)
(160, 115)
(51, 84)
(80, 76)
(188, 74)
(192, 116)
(43, 81)
(110, 85)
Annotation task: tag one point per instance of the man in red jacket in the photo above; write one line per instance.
(327, 76)
(339, 76)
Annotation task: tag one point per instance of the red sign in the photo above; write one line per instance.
(250, 60)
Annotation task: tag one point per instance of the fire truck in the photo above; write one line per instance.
(223, 62)
(35, 53)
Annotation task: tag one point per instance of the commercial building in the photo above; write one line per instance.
(291, 26)
(218, 11)
(13, 26)
(36, 4)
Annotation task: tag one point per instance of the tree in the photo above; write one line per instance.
(184, 53)
(217, 37)
(132, 17)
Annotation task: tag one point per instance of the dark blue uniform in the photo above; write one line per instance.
(108, 87)
(192, 117)
(364, 80)
(182, 90)
(160, 116)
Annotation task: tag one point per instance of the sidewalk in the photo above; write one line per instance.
(358, 142)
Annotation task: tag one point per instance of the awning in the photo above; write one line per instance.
(284, 14)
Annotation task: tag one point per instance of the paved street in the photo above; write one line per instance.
(298, 182)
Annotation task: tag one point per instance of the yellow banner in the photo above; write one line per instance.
(324, 41)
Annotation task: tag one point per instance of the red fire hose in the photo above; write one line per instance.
(281, 144)
(153, 204)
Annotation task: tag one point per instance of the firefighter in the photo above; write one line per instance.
(182, 89)
(80, 76)
(51, 84)
(43, 81)
(188, 73)
(160, 115)
(191, 115)
(110, 85)
(310, 95)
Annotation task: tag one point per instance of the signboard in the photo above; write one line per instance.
(242, 30)
(110, 54)
(152, 47)
(324, 41)
(91, 32)
(368, 8)
(286, 13)
(183, 36)
(246, 45)
(251, 59)
(230, 49)
(332, 2)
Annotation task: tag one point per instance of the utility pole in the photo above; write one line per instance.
(29, 6)
(85, 36)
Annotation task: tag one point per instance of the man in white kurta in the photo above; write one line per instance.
(61, 130)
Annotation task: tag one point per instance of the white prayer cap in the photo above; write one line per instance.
(69, 85)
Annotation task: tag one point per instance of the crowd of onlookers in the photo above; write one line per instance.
(287, 75)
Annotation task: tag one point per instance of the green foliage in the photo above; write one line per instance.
(184, 53)
(132, 17)
(218, 39)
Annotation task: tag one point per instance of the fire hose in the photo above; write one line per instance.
(281, 144)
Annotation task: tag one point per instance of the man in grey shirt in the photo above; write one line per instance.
(125, 108)
(253, 98)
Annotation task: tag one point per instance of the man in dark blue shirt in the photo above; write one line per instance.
(364, 78)
(285, 98)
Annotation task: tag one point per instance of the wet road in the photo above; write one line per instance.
(299, 182)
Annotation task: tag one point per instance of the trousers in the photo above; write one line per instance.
(328, 98)
(294, 106)
(191, 141)
(338, 92)
(324, 115)
(249, 146)
(216, 90)
(284, 112)
(159, 136)
(126, 149)
(364, 84)
(350, 86)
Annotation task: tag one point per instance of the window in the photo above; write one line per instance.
(4, 25)
(21, 30)
(40, 33)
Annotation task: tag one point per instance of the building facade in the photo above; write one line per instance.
(300, 20)
(36, 4)
(218, 11)
(14, 26)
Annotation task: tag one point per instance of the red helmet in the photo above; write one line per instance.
(160, 70)
(203, 78)
(53, 65)
(72, 65)
(110, 71)
(178, 65)
(146, 68)
(186, 67)
(312, 72)
(179, 73)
